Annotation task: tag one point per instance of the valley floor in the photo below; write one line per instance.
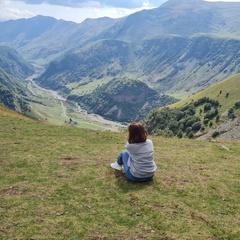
(56, 110)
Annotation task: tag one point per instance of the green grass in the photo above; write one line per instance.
(56, 183)
(52, 113)
(87, 88)
(231, 85)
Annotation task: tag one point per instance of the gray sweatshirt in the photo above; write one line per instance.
(140, 159)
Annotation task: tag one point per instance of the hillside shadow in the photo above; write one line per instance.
(126, 185)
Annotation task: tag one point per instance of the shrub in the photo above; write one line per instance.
(237, 105)
(215, 134)
(188, 130)
(231, 113)
(231, 116)
(206, 120)
(180, 134)
(196, 126)
(207, 107)
(211, 114)
(190, 134)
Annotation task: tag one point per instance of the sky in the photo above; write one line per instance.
(76, 10)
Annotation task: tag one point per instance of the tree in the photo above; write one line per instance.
(196, 126)
(207, 107)
(237, 105)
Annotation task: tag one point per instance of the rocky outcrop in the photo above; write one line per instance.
(228, 129)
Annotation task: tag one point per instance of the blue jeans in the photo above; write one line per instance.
(122, 159)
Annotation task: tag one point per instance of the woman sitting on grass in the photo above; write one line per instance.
(137, 160)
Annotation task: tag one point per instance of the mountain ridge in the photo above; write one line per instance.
(14, 64)
(12, 93)
(173, 65)
(184, 18)
(13, 70)
(161, 21)
(51, 39)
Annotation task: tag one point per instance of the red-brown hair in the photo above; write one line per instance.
(136, 133)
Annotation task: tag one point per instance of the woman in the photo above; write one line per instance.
(138, 162)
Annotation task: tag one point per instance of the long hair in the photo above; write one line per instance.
(136, 133)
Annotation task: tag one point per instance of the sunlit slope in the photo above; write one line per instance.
(226, 92)
(199, 113)
(10, 113)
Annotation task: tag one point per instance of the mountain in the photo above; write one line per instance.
(13, 70)
(41, 39)
(93, 61)
(213, 112)
(174, 65)
(12, 93)
(14, 64)
(179, 48)
(123, 100)
(44, 38)
(178, 17)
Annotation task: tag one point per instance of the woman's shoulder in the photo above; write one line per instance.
(149, 141)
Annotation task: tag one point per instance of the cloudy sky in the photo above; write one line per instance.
(75, 10)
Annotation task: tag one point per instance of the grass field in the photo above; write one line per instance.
(87, 88)
(56, 183)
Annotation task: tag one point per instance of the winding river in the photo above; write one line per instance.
(90, 119)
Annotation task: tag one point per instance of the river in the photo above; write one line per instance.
(92, 120)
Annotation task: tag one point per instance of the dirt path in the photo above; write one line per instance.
(64, 110)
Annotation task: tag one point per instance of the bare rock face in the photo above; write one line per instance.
(228, 129)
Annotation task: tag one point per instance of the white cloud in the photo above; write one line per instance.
(14, 13)
(18, 9)
(5, 2)
(80, 10)
(97, 3)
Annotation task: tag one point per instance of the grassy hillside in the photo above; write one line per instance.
(14, 64)
(56, 183)
(196, 115)
(13, 93)
(172, 64)
(10, 113)
(218, 92)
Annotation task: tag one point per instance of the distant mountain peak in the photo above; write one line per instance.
(184, 3)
